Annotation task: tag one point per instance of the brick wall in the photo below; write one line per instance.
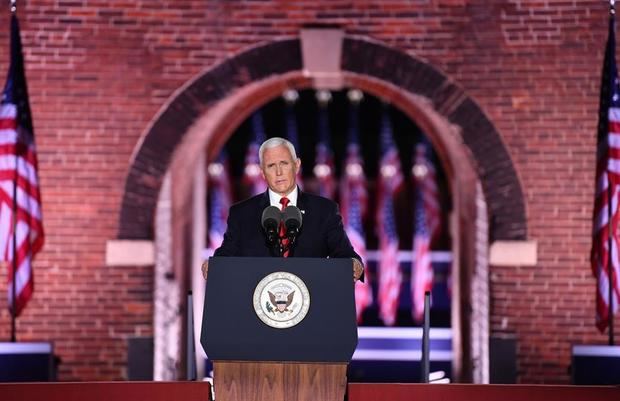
(98, 72)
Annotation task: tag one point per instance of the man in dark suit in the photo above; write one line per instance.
(322, 233)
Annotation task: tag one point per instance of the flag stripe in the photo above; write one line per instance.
(27, 203)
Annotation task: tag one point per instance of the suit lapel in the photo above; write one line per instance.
(301, 199)
(264, 201)
(301, 203)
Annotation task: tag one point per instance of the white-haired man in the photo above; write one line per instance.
(322, 233)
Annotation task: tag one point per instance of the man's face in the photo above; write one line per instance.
(280, 170)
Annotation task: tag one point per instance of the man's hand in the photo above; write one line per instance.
(358, 270)
(205, 268)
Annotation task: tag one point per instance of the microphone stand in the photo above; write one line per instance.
(291, 234)
(275, 245)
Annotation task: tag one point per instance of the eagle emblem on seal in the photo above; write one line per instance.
(281, 300)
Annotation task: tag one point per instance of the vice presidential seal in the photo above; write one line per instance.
(281, 300)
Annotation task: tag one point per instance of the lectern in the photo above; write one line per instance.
(279, 328)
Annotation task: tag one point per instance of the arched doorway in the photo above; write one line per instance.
(206, 111)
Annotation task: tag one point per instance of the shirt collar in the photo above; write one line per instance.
(274, 198)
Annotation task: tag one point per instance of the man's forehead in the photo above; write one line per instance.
(278, 152)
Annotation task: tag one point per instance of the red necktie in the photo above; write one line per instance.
(283, 239)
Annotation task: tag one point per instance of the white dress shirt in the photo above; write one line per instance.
(274, 198)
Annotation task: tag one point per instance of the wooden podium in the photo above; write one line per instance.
(301, 359)
(249, 381)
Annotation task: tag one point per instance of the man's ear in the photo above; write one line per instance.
(297, 165)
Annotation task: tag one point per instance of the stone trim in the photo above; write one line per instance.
(321, 51)
(129, 253)
(513, 253)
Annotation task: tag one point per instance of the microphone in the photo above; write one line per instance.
(292, 221)
(270, 221)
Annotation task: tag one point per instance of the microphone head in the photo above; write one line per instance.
(271, 218)
(292, 218)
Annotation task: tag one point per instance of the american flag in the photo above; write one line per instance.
(20, 199)
(426, 179)
(252, 174)
(390, 179)
(426, 224)
(354, 199)
(221, 199)
(291, 134)
(605, 213)
(324, 162)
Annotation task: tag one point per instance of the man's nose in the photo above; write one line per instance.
(279, 170)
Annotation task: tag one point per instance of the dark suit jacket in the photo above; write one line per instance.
(322, 233)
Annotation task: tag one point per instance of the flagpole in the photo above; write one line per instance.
(14, 261)
(610, 263)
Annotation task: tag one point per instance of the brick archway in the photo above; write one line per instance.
(204, 113)
(360, 58)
